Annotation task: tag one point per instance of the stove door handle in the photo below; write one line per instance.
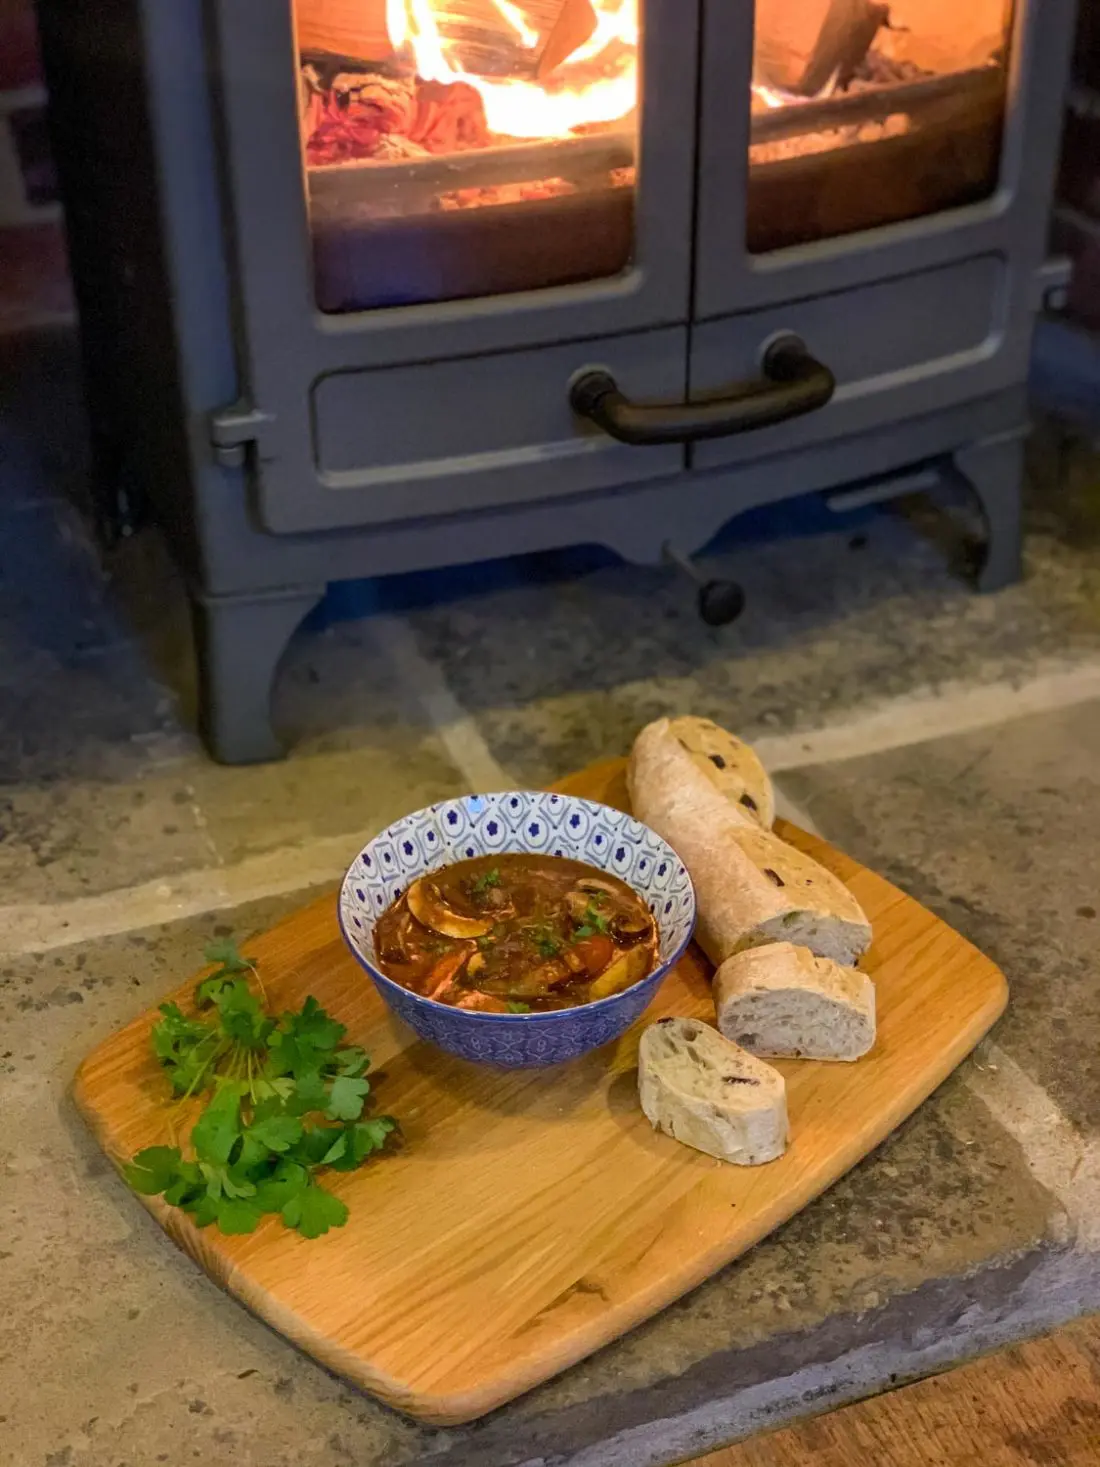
(793, 383)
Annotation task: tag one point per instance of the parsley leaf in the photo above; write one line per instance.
(235, 1216)
(360, 1140)
(514, 1007)
(189, 1186)
(187, 1048)
(226, 952)
(309, 1094)
(314, 1146)
(313, 1211)
(347, 1098)
(216, 1131)
(277, 1133)
(313, 1028)
(594, 924)
(204, 1211)
(351, 1061)
(486, 881)
(154, 1169)
(285, 1182)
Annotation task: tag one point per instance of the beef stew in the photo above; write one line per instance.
(517, 933)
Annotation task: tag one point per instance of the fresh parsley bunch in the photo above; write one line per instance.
(262, 1137)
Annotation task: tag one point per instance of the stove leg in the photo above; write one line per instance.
(239, 641)
(994, 470)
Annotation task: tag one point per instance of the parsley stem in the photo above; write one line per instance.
(259, 981)
(203, 1073)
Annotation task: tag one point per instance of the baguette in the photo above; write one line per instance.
(708, 1093)
(751, 887)
(782, 1002)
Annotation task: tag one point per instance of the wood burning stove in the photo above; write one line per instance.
(369, 285)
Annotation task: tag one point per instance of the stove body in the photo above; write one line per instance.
(335, 296)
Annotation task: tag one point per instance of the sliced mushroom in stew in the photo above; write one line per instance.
(516, 934)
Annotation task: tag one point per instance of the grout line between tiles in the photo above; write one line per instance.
(917, 718)
(37, 927)
(1057, 1155)
(424, 681)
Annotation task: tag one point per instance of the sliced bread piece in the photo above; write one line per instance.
(710, 1094)
(783, 1002)
(693, 753)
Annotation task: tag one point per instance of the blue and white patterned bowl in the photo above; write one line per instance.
(535, 822)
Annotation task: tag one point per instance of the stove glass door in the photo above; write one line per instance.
(867, 113)
(464, 148)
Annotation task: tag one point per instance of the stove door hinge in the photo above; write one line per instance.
(233, 428)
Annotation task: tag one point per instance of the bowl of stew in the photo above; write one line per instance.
(519, 929)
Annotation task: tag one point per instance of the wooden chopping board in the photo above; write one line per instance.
(534, 1216)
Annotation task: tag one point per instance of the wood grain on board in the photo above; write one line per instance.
(533, 1216)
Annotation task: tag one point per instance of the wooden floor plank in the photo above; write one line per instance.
(1036, 1403)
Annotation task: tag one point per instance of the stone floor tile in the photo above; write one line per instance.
(997, 832)
(76, 837)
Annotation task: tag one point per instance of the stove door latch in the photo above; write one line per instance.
(233, 428)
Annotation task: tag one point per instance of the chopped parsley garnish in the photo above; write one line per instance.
(594, 924)
(260, 1141)
(515, 1007)
(546, 941)
(485, 881)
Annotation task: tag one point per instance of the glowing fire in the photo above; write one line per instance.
(598, 83)
(528, 38)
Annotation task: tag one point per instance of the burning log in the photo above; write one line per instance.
(801, 45)
(574, 26)
(511, 31)
(344, 28)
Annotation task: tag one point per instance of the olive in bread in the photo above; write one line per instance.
(783, 1002)
(710, 1094)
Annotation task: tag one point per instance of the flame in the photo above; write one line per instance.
(527, 109)
(528, 38)
(775, 96)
